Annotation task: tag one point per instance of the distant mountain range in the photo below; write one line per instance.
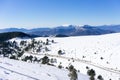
(115, 28)
(70, 30)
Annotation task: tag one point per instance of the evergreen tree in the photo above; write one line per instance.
(91, 73)
(72, 73)
(45, 60)
(100, 77)
(60, 52)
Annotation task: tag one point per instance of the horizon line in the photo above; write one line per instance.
(64, 25)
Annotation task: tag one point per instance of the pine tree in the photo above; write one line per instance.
(72, 73)
(45, 60)
(91, 73)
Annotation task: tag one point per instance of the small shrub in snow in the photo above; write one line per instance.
(35, 59)
(47, 42)
(68, 59)
(45, 60)
(51, 64)
(84, 57)
(87, 67)
(12, 57)
(101, 58)
(26, 58)
(30, 58)
(53, 60)
(60, 52)
(73, 60)
(107, 62)
(59, 66)
(66, 67)
(78, 70)
(95, 53)
(52, 41)
(46, 49)
(100, 77)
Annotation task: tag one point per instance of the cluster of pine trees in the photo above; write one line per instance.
(15, 50)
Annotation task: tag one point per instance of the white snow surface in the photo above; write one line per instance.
(93, 48)
(88, 51)
(19, 70)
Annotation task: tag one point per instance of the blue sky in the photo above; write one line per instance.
(51, 13)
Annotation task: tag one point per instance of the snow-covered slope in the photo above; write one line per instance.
(91, 48)
(18, 70)
(100, 53)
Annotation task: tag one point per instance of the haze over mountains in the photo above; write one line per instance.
(70, 30)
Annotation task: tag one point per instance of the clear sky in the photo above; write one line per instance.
(50, 13)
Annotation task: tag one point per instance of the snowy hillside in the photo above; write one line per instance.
(18, 70)
(100, 53)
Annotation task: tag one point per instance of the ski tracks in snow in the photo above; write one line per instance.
(19, 73)
(86, 62)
